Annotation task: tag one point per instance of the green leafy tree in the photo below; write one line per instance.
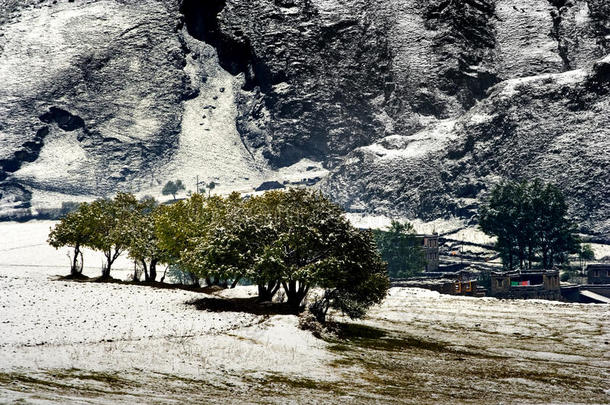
(585, 254)
(293, 240)
(218, 250)
(312, 244)
(401, 249)
(211, 186)
(354, 280)
(530, 223)
(172, 188)
(181, 228)
(73, 230)
(143, 244)
(503, 218)
(109, 222)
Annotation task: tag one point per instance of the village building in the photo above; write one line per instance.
(543, 284)
(270, 185)
(458, 283)
(430, 246)
(598, 274)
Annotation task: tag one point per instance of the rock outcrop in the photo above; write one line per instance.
(551, 126)
(91, 94)
(316, 72)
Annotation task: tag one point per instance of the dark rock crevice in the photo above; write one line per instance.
(10, 190)
(235, 53)
(28, 152)
(64, 119)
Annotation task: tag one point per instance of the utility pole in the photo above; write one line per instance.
(462, 252)
(197, 187)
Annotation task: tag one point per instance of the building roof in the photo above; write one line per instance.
(595, 296)
(600, 266)
(524, 273)
(270, 185)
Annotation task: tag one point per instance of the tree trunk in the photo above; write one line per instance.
(110, 258)
(268, 290)
(164, 273)
(145, 270)
(263, 293)
(194, 279)
(152, 272)
(75, 271)
(545, 258)
(295, 295)
(106, 271)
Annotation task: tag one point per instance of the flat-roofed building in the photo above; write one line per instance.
(431, 250)
(598, 274)
(526, 284)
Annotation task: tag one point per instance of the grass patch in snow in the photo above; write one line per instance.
(69, 380)
(357, 336)
(289, 383)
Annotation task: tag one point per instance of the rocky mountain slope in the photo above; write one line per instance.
(415, 107)
(92, 89)
(551, 126)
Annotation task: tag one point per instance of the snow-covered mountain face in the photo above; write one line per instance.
(415, 107)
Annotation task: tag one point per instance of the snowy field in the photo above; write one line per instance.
(73, 342)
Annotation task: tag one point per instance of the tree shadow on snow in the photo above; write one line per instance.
(249, 305)
(153, 284)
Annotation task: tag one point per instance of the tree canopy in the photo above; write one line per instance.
(172, 188)
(143, 243)
(103, 225)
(401, 249)
(293, 240)
(530, 223)
(109, 221)
(73, 230)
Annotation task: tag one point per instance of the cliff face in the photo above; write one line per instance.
(91, 93)
(324, 77)
(551, 126)
(406, 102)
(315, 72)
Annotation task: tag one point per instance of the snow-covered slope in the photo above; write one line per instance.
(551, 126)
(74, 343)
